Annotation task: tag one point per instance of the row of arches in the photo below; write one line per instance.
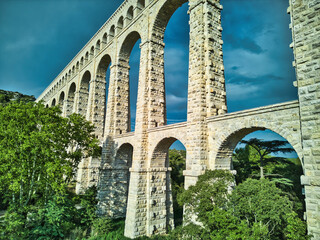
(128, 68)
(160, 160)
(106, 38)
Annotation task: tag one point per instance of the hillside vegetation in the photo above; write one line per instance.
(8, 96)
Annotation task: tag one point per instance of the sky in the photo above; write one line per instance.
(38, 39)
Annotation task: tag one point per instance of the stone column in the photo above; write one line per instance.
(97, 105)
(110, 106)
(160, 205)
(122, 98)
(82, 101)
(157, 104)
(76, 104)
(82, 176)
(206, 89)
(305, 24)
(69, 106)
(106, 180)
(137, 200)
(64, 108)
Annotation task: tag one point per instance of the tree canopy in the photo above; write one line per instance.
(7, 96)
(255, 209)
(40, 151)
(264, 149)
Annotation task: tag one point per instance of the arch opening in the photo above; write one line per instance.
(86, 58)
(91, 52)
(141, 5)
(53, 103)
(171, 154)
(111, 32)
(84, 93)
(129, 59)
(175, 57)
(103, 74)
(120, 25)
(129, 16)
(81, 62)
(261, 153)
(98, 44)
(61, 100)
(104, 40)
(70, 100)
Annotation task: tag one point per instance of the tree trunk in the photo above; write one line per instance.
(261, 172)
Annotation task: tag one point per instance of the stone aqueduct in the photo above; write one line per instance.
(133, 174)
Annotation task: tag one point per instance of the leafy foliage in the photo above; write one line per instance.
(261, 201)
(39, 154)
(7, 96)
(284, 172)
(255, 209)
(264, 149)
(40, 151)
(177, 161)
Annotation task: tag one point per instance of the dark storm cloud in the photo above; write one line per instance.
(240, 79)
(245, 92)
(243, 43)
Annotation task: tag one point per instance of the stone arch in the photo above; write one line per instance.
(128, 45)
(103, 66)
(141, 5)
(120, 24)
(77, 66)
(71, 98)
(73, 70)
(81, 62)
(123, 88)
(91, 52)
(163, 16)
(84, 93)
(123, 155)
(130, 15)
(53, 103)
(104, 39)
(159, 156)
(86, 58)
(61, 99)
(98, 44)
(226, 146)
(159, 164)
(111, 32)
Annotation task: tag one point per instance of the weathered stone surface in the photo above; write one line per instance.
(133, 174)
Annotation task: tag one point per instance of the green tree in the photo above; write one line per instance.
(7, 96)
(177, 161)
(264, 149)
(244, 161)
(40, 151)
(285, 172)
(255, 209)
